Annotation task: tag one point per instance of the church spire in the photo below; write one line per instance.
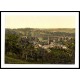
(48, 40)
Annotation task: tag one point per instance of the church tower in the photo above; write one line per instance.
(48, 40)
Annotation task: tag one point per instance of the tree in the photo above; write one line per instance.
(12, 42)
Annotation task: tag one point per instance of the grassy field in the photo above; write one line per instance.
(12, 60)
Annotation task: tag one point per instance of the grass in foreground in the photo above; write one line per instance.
(12, 60)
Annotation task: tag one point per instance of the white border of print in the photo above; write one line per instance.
(76, 65)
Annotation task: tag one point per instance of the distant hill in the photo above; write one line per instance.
(67, 30)
(44, 32)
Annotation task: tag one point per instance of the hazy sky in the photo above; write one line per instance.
(39, 21)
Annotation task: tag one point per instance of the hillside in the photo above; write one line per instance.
(44, 32)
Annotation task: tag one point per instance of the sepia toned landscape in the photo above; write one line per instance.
(39, 46)
(48, 40)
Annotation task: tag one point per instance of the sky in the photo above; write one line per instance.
(28, 21)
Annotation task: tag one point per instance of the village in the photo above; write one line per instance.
(51, 42)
